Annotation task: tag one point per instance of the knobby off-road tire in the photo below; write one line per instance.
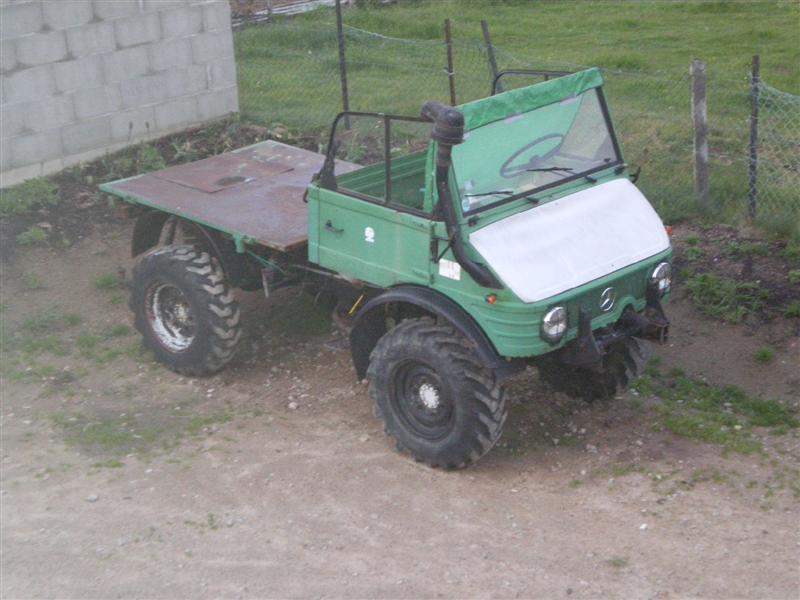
(435, 398)
(623, 364)
(185, 309)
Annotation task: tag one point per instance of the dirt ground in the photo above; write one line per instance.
(122, 479)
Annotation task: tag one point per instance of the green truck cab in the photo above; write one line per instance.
(512, 236)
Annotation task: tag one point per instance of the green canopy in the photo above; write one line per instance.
(500, 106)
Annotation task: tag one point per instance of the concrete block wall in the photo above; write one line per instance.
(79, 78)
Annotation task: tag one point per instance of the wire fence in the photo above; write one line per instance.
(775, 189)
(289, 78)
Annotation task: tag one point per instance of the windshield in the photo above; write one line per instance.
(526, 152)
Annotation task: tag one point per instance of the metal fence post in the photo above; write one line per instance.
(342, 62)
(448, 38)
(752, 198)
(490, 52)
(700, 124)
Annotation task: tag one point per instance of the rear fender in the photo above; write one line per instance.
(370, 325)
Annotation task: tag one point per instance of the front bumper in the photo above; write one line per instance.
(589, 348)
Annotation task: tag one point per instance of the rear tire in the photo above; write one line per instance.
(435, 398)
(624, 362)
(185, 310)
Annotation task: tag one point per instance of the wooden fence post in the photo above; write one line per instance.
(448, 37)
(700, 123)
(752, 197)
(342, 62)
(492, 58)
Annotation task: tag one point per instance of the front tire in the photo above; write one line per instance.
(185, 310)
(624, 362)
(435, 398)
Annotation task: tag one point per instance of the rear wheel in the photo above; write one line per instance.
(185, 310)
(436, 400)
(624, 362)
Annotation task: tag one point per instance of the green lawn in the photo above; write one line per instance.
(288, 72)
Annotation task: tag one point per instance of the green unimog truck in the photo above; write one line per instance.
(513, 235)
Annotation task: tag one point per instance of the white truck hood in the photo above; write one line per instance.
(571, 241)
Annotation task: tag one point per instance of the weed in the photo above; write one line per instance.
(108, 464)
(198, 424)
(794, 276)
(117, 298)
(31, 236)
(28, 196)
(86, 343)
(792, 254)
(31, 281)
(793, 309)
(72, 319)
(693, 254)
(116, 435)
(764, 355)
(40, 322)
(740, 249)
(726, 299)
(575, 483)
(108, 281)
(692, 240)
(133, 161)
(118, 330)
(617, 562)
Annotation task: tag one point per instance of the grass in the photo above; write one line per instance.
(31, 281)
(764, 355)
(108, 281)
(726, 299)
(794, 276)
(288, 72)
(31, 236)
(136, 160)
(793, 309)
(725, 415)
(27, 197)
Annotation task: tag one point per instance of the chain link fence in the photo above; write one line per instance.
(775, 187)
(289, 80)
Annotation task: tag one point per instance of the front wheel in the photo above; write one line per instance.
(436, 400)
(185, 310)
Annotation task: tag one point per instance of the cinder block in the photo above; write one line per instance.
(29, 84)
(67, 13)
(163, 4)
(20, 19)
(125, 64)
(181, 22)
(41, 48)
(140, 29)
(107, 10)
(8, 57)
(96, 101)
(86, 135)
(151, 89)
(170, 54)
(217, 103)
(212, 45)
(12, 119)
(35, 148)
(132, 124)
(49, 113)
(217, 15)
(187, 81)
(76, 74)
(176, 113)
(95, 38)
(223, 73)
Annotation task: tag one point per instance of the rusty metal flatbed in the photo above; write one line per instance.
(253, 193)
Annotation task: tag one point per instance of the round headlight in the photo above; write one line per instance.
(662, 278)
(554, 324)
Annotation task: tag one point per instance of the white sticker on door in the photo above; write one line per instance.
(450, 269)
(369, 235)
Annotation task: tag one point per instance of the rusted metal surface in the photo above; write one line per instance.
(255, 191)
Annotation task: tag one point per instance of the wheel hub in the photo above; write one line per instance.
(170, 317)
(429, 396)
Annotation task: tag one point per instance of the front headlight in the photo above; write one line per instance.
(662, 278)
(554, 324)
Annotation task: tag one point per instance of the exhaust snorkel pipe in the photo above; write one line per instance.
(448, 131)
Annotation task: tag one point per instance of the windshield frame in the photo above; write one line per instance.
(617, 163)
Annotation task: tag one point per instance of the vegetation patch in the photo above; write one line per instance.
(764, 355)
(32, 236)
(108, 281)
(28, 196)
(726, 299)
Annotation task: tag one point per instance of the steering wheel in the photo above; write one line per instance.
(509, 171)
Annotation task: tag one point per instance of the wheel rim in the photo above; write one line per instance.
(170, 317)
(421, 401)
